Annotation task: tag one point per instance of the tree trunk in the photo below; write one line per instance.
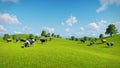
(111, 34)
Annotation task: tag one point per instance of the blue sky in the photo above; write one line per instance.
(65, 17)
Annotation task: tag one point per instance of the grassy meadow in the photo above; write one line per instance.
(60, 53)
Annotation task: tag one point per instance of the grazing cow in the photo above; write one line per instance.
(83, 41)
(9, 40)
(91, 43)
(110, 44)
(32, 41)
(22, 40)
(26, 44)
(43, 40)
(103, 41)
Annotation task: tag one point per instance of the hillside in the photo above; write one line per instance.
(60, 53)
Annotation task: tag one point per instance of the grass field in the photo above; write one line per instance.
(60, 53)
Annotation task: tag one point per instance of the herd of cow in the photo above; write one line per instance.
(103, 41)
(29, 42)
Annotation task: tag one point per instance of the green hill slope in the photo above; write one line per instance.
(60, 53)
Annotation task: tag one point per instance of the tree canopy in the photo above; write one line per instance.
(111, 30)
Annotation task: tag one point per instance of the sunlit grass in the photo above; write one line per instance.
(60, 53)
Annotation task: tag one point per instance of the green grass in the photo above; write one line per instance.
(60, 53)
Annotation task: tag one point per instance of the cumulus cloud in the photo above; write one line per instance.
(72, 20)
(81, 28)
(49, 29)
(8, 19)
(17, 32)
(106, 3)
(117, 24)
(2, 29)
(93, 26)
(14, 1)
(67, 30)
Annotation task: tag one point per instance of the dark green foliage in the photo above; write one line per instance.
(43, 33)
(14, 37)
(101, 36)
(58, 36)
(36, 38)
(48, 35)
(6, 36)
(53, 35)
(85, 38)
(76, 39)
(72, 37)
(111, 30)
(31, 36)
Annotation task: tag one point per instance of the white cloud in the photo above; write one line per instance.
(26, 28)
(14, 1)
(118, 26)
(9, 19)
(49, 29)
(106, 3)
(93, 26)
(67, 30)
(2, 29)
(62, 23)
(81, 28)
(72, 20)
(16, 32)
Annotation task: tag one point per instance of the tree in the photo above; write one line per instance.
(14, 37)
(48, 35)
(58, 36)
(53, 35)
(111, 30)
(101, 36)
(72, 37)
(6, 36)
(85, 38)
(36, 38)
(43, 33)
(31, 36)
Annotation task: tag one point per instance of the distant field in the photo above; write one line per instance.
(60, 53)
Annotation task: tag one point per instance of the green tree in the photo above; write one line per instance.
(48, 35)
(111, 30)
(53, 35)
(36, 38)
(31, 36)
(85, 38)
(58, 36)
(72, 37)
(14, 37)
(6, 36)
(101, 36)
(43, 33)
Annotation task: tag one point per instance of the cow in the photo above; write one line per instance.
(83, 41)
(110, 44)
(9, 40)
(26, 44)
(103, 41)
(22, 40)
(32, 41)
(92, 42)
(43, 40)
